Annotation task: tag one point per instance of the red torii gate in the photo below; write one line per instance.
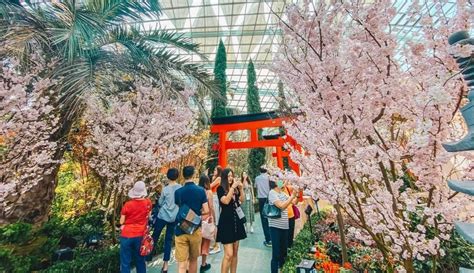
(252, 123)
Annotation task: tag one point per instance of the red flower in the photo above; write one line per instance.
(347, 265)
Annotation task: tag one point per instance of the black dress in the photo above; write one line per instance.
(230, 228)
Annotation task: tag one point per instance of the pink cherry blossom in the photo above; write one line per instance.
(374, 111)
(27, 125)
(137, 134)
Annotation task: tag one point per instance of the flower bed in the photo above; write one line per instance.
(363, 258)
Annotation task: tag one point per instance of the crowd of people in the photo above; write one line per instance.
(217, 212)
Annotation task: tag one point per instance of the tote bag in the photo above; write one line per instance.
(208, 230)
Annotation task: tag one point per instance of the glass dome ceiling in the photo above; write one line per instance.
(249, 30)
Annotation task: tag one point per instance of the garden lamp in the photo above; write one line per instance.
(306, 266)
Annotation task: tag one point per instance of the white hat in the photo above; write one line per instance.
(138, 190)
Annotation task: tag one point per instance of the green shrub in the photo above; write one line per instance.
(81, 226)
(11, 263)
(17, 233)
(91, 261)
(301, 246)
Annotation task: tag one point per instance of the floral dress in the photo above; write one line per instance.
(247, 206)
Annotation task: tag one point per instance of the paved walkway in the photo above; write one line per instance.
(253, 255)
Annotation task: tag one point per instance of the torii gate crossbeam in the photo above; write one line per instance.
(252, 123)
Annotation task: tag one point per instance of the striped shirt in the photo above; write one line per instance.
(281, 223)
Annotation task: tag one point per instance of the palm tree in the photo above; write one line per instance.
(93, 48)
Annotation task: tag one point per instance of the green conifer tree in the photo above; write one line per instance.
(282, 110)
(219, 102)
(256, 156)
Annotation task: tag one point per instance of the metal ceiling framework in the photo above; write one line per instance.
(249, 29)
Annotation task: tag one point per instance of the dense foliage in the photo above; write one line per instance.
(24, 248)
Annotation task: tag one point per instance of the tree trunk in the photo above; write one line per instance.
(30, 203)
(408, 264)
(340, 223)
(114, 216)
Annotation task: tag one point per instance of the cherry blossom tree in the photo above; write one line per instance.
(373, 113)
(93, 53)
(28, 122)
(137, 134)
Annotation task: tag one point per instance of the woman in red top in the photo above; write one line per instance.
(134, 219)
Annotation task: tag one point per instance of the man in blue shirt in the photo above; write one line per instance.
(262, 182)
(188, 246)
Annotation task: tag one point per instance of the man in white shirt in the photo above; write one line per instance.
(262, 182)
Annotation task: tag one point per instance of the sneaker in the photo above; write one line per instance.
(215, 250)
(251, 229)
(267, 244)
(205, 268)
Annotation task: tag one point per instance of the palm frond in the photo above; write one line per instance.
(73, 30)
(148, 55)
(166, 38)
(22, 33)
(116, 11)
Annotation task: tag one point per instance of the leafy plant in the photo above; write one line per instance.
(85, 260)
(17, 233)
(13, 263)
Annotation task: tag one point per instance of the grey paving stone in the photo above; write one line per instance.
(254, 257)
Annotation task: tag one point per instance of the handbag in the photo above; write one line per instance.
(146, 246)
(208, 230)
(271, 211)
(296, 212)
(188, 220)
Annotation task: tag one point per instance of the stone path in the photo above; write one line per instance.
(253, 255)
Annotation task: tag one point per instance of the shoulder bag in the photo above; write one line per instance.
(188, 220)
(271, 211)
(296, 212)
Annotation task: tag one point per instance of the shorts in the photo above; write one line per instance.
(188, 246)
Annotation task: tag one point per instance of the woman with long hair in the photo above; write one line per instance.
(247, 206)
(230, 229)
(215, 183)
(204, 182)
(133, 221)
